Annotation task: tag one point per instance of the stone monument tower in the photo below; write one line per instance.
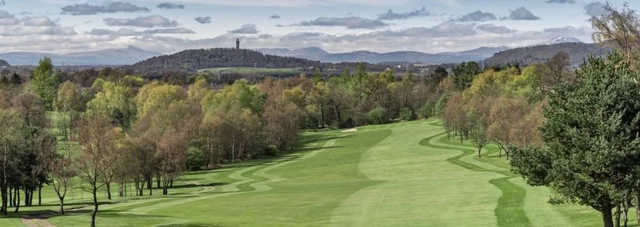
(238, 44)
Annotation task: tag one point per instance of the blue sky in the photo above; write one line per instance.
(335, 25)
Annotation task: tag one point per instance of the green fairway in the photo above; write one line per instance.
(251, 70)
(404, 174)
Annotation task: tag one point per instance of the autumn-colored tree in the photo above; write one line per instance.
(456, 117)
(10, 137)
(403, 94)
(36, 145)
(62, 173)
(93, 133)
(164, 110)
(318, 100)
(111, 157)
(504, 114)
(619, 28)
(282, 119)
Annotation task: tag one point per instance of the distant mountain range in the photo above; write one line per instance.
(317, 54)
(578, 52)
(196, 59)
(4, 63)
(562, 39)
(125, 56)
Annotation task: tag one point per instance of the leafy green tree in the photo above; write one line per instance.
(439, 74)
(195, 158)
(68, 104)
(427, 110)
(464, 73)
(44, 82)
(10, 136)
(113, 101)
(406, 114)
(592, 134)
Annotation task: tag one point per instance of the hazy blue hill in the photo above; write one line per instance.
(317, 54)
(124, 56)
(578, 52)
(4, 63)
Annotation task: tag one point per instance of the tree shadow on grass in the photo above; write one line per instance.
(46, 214)
(319, 138)
(190, 225)
(280, 157)
(184, 186)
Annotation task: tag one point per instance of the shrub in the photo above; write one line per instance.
(377, 115)
(427, 110)
(195, 158)
(406, 114)
(441, 104)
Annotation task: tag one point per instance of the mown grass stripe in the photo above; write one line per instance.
(509, 210)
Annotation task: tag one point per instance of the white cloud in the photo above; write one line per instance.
(391, 15)
(113, 7)
(145, 22)
(449, 37)
(347, 22)
(595, 9)
(246, 29)
(521, 14)
(294, 3)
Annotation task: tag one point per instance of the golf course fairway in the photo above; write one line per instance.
(403, 174)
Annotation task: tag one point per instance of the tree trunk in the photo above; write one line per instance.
(165, 191)
(40, 195)
(607, 218)
(4, 181)
(617, 215)
(108, 190)
(638, 206)
(12, 202)
(4, 200)
(26, 197)
(61, 205)
(625, 209)
(150, 185)
(149, 180)
(95, 204)
(122, 188)
(17, 190)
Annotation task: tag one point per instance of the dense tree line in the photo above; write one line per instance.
(111, 129)
(575, 132)
(190, 60)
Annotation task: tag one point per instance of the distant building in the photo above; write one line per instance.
(238, 44)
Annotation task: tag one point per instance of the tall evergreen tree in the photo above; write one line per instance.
(592, 134)
(44, 82)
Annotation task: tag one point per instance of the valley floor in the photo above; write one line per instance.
(404, 174)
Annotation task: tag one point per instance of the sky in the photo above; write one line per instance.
(168, 26)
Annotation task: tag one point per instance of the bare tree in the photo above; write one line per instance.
(61, 174)
(93, 133)
(619, 29)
